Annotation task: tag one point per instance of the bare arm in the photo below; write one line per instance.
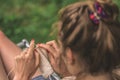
(8, 50)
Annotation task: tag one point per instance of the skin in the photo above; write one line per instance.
(2, 71)
(27, 63)
(7, 59)
(25, 73)
(7, 45)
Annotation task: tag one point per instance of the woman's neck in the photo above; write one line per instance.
(94, 77)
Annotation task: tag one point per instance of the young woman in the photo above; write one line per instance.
(89, 35)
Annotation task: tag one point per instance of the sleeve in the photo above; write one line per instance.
(53, 76)
(39, 78)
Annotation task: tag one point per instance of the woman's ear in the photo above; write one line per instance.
(70, 56)
(72, 62)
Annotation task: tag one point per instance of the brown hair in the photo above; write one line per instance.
(97, 44)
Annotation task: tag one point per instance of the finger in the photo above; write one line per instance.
(17, 58)
(53, 44)
(17, 61)
(37, 58)
(50, 42)
(49, 49)
(24, 52)
(51, 59)
(31, 48)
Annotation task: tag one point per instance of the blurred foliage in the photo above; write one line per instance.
(30, 18)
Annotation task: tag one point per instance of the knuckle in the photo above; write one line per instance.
(28, 58)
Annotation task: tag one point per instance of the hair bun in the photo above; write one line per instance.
(110, 8)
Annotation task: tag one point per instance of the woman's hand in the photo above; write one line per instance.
(26, 63)
(54, 55)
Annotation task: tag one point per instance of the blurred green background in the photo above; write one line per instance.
(29, 19)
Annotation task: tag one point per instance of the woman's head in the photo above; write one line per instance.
(91, 30)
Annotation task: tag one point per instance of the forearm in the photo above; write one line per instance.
(8, 50)
(3, 75)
